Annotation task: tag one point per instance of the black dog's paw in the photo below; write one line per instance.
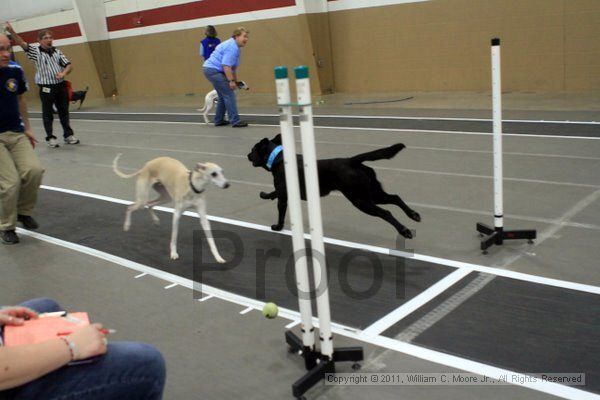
(406, 233)
(265, 196)
(415, 216)
(276, 227)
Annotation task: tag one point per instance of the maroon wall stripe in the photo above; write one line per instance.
(59, 32)
(194, 10)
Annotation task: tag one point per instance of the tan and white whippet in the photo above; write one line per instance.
(173, 181)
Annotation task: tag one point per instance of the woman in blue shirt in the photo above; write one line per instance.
(209, 43)
(220, 70)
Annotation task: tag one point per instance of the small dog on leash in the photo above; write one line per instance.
(173, 181)
(212, 98)
(357, 182)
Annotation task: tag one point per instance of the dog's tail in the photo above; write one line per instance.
(380, 154)
(203, 109)
(116, 168)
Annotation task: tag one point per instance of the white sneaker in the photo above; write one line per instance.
(53, 143)
(71, 140)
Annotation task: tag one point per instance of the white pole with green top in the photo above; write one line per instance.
(314, 208)
(497, 125)
(286, 124)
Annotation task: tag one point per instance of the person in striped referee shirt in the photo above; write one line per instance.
(51, 68)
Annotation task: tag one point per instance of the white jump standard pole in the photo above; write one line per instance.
(313, 197)
(497, 235)
(318, 362)
(307, 345)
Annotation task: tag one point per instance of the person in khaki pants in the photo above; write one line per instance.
(20, 170)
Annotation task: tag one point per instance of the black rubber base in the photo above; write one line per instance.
(318, 365)
(497, 236)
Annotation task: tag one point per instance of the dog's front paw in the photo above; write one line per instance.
(276, 227)
(174, 255)
(220, 260)
(265, 196)
(126, 227)
(415, 216)
(406, 233)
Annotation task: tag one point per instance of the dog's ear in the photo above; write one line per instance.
(264, 142)
(200, 167)
(277, 139)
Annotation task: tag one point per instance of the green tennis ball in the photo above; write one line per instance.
(270, 310)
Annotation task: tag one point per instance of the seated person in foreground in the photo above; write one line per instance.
(120, 370)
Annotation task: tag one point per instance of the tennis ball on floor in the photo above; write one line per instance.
(270, 310)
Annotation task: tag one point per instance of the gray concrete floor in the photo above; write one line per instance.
(213, 352)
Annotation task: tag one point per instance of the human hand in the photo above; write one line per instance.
(31, 138)
(9, 27)
(232, 85)
(89, 342)
(60, 75)
(16, 315)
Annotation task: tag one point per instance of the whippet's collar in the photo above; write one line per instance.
(274, 153)
(192, 184)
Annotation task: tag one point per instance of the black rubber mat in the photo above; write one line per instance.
(524, 327)
(363, 286)
(419, 313)
(531, 128)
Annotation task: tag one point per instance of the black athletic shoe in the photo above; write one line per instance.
(240, 125)
(9, 237)
(222, 123)
(28, 222)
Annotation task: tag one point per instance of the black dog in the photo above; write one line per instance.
(79, 96)
(348, 175)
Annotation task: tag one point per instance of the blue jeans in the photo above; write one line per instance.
(226, 96)
(128, 370)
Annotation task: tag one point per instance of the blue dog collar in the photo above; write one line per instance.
(273, 156)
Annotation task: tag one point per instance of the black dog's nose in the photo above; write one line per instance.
(226, 185)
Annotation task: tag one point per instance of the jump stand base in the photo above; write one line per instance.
(318, 365)
(497, 236)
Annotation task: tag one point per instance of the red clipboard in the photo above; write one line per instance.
(44, 328)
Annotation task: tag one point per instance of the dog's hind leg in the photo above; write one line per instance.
(205, 109)
(201, 209)
(379, 196)
(174, 230)
(163, 198)
(385, 198)
(372, 209)
(131, 208)
(141, 195)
